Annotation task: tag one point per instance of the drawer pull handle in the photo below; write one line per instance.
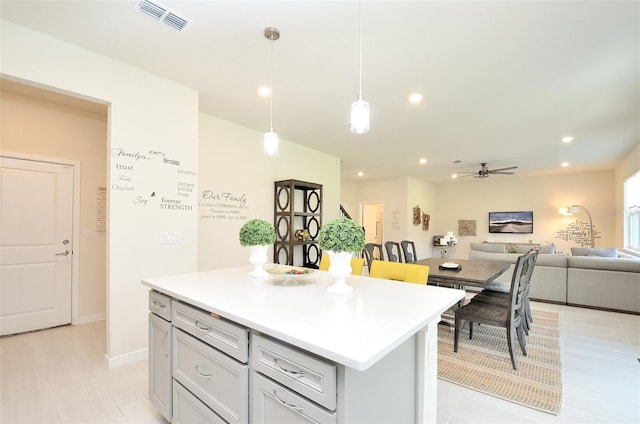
(206, 372)
(297, 373)
(159, 305)
(298, 408)
(201, 327)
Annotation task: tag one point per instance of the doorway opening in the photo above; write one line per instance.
(371, 218)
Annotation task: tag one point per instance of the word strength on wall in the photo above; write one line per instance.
(153, 179)
(223, 205)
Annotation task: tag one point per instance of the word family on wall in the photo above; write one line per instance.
(578, 232)
(223, 205)
(144, 176)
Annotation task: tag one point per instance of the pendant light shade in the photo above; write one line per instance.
(360, 108)
(271, 138)
(360, 116)
(270, 143)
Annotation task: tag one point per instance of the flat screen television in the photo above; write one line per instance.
(511, 222)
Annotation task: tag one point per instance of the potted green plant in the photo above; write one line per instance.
(257, 234)
(341, 238)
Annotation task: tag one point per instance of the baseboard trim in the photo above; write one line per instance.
(86, 319)
(127, 358)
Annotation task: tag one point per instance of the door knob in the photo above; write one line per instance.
(65, 253)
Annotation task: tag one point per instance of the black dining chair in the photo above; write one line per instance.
(409, 251)
(393, 251)
(370, 253)
(510, 316)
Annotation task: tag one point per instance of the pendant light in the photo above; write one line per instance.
(271, 138)
(360, 108)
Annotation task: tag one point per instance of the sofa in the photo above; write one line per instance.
(596, 278)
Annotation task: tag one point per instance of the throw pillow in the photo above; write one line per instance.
(550, 249)
(605, 252)
(488, 247)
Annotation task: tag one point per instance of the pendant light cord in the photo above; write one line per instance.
(271, 83)
(360, 48)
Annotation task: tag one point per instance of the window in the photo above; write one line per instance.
(632, 212)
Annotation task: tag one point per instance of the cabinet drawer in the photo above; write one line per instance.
(160, 304)
(230, 338)
(219, 381)
(189, 409)
(306, 374)
(272, 403)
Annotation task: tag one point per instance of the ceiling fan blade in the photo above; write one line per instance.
(493, 171)
(501, 173)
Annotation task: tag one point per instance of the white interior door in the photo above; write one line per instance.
(36, 252)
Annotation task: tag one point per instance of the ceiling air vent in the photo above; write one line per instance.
(164, 14)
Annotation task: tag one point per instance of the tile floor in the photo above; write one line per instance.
(60, 376)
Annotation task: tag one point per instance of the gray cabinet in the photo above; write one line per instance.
(209, 356)
(160, 353)
(207, 369)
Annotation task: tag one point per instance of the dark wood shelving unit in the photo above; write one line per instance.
(297, 206)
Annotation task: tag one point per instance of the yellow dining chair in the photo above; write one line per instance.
(409, 273)
(357, 264)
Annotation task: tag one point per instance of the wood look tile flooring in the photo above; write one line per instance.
(60, 376)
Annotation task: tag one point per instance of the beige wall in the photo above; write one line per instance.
(473, 199)
(37, 127)
(232, 161)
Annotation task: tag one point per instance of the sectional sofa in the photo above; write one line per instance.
(597, 278)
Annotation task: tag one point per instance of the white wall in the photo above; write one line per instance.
(232, 161)
(149, 117)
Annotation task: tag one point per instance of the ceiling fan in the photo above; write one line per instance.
(484, 172)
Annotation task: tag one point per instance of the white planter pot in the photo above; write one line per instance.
(340, 269)
(257, 258)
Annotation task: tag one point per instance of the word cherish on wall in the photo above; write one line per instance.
(223, 205)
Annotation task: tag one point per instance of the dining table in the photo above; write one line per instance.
(470, 272)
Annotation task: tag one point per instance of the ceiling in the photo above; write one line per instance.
(503, 81)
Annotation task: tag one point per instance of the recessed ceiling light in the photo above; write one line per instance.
(264, 91)
(360, 173)
(564, 164)
(423, 161)
(415, 98)
(567, 139)
(454, 175)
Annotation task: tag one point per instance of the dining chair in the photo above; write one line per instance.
(393, 251)
(357, 264)
(409, 273)
(502, 298)
(509, 316)
(409, 251)
(370, 253)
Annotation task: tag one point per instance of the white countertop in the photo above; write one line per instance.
(355, 330)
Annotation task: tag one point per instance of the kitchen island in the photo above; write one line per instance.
(295, 351)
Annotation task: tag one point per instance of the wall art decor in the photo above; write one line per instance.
(467, 227)
(425, 221)
(416, 215)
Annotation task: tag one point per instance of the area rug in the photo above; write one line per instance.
(483, 364)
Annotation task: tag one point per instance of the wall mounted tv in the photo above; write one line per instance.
(511, 222)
